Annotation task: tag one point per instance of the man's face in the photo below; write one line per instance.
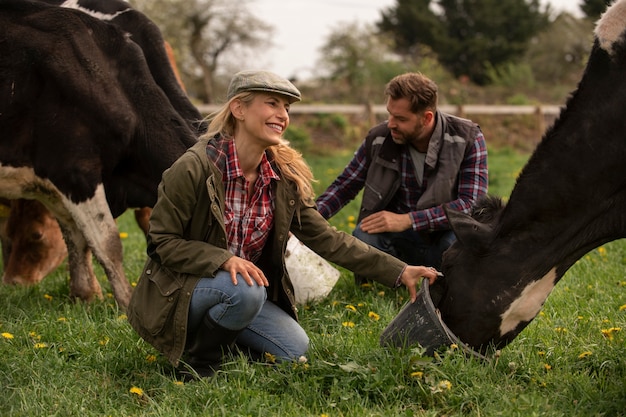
(405, 126)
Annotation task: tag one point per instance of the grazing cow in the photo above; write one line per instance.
(36, 243)
(84, 128)
(569, 199)
(44, 256)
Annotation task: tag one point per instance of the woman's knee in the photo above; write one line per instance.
(248, 300)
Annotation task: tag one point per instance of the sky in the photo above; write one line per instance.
(302, 26)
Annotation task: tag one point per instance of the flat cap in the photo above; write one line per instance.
(253, 80)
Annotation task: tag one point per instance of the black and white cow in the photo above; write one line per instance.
(84, 128)
(569, 199)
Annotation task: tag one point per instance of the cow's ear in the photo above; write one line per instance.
(473, 234)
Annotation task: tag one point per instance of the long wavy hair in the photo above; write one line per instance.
(289, 162)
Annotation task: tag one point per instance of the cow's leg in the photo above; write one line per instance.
(83, 282)
(93, 218)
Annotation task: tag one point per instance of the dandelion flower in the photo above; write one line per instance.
(179, 383)
(47, 297)
(547, 367)
(622, 307)
(584, 355)
(123, 235)
(137, 391)
(122, 317)
(417, 374)
(151, 358)
(454, 346)
(61, 319)
(373, 316)
(41, 345)
(608, 333)
(7, 335)
(348, 324)
(269, 358)
(351, 307)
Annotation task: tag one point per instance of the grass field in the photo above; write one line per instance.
(61, 358)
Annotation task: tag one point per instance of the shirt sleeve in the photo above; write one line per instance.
(473, 183)
(346, 186)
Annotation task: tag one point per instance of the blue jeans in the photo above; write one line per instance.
(414, 248)
(265, 326)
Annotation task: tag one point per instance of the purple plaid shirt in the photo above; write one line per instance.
(472, 184)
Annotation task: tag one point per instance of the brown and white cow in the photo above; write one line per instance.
(84, 128)
(569, 199)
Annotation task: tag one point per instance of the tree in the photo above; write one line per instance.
(469, 36)
(206, 34)
(594, 8)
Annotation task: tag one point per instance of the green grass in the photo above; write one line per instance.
(61, 358)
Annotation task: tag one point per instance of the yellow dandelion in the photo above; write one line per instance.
(335, 303)
(541, 353)
(584, 355)
(541, 313)
(151, 358)
(41, 345)
(547, 367)
(622, 307)
(445, 384)
(351, 218)
(608, 333)
(348, 324)
(579, 317)
(323, 415)
(366, 285)
(560, 329)
(7, 335)
(360, 305)
(269, 358)
(122, 317)
(381, 293)
(417, 374)
(61, 319)
(137, 391)
(133, 284)
(123, 235)
(34, 335)
(454, 346)
(47, 297)
(602, 251)
(373, 316)
(179, 383)
(351, 307)
(104, 341)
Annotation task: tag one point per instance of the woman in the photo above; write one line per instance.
(216, 273)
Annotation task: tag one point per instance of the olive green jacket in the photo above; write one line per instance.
(187, 240)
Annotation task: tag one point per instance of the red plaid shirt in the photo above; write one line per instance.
(248, 220)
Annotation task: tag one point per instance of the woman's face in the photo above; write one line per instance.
(265, 118)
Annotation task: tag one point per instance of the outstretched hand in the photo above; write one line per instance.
(248, 270)
(412, 277)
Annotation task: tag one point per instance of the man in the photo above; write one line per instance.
(409, 167)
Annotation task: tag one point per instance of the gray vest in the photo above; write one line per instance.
(449, 143)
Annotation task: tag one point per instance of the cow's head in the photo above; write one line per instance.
(36, 243)
(486, 302)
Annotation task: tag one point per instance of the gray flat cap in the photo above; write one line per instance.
(253, 80)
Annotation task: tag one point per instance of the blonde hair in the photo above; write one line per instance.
(290, 162)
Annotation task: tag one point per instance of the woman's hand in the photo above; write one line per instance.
(249, 271)
(412, 277)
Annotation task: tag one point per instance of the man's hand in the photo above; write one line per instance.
(249, 271)
(386, 221)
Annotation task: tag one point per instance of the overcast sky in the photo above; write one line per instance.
(302, 26)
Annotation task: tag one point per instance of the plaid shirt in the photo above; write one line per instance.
(248, 219)
(352, 180)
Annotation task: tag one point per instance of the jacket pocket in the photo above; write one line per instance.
(155, 297)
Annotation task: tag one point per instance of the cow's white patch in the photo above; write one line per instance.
(611, 25)
(530, 301)
(73, 4)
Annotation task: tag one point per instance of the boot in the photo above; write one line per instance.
(204, 351)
